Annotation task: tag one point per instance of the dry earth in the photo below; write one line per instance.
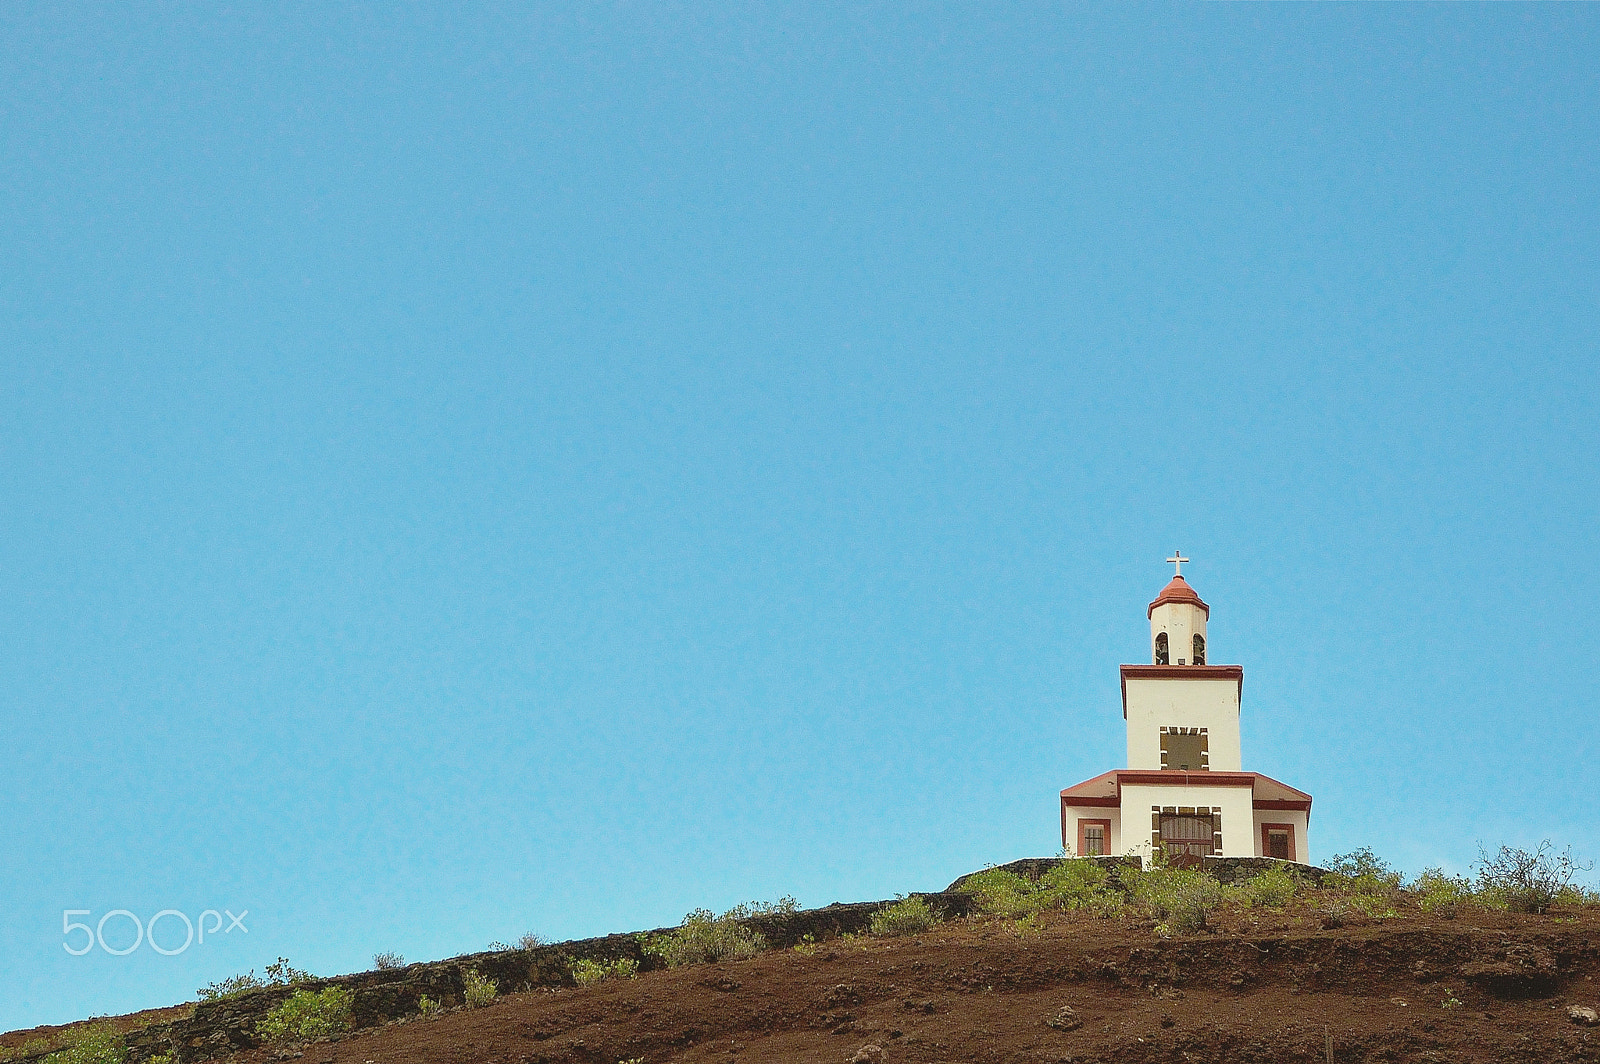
(1262, 989)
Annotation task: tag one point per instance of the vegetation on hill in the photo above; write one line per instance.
(1161, 901)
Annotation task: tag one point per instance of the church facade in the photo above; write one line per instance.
(1185, 791)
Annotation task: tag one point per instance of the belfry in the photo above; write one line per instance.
(1185, 791)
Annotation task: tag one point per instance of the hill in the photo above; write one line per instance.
(1308, 980)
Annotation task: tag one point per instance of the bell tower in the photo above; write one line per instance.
(1178, 621)
(1185, 792)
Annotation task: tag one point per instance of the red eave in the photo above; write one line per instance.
(1300, 801)
(1185, 779)
(1180, 672)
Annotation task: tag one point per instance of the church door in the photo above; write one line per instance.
(1186, 839)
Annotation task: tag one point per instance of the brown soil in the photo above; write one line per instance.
(1263, 989)
(133, 1021)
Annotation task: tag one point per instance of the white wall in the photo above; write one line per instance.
(1236, 803)
(1182, 622)
(1301, 822)
(1113, 843)
(1184, 703)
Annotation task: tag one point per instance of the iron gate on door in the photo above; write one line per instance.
(1186, 839)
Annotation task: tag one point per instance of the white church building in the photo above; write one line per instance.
(1185, 789)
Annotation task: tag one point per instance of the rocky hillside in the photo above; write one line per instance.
(1468, 984)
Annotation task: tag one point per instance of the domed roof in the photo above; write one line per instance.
(1178, 591)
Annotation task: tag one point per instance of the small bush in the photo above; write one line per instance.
(589, 972)
(1362, 872)
(479, 989)
(428, 1008)
(1527, 881)
(908, 916)
(704, 937)
(94, 1043)
(307, 1014)
(387, 961)
(1028, 926)
(1002, 893)
(279, 973)
(1373, 907)
(231, 986)
(1273, 889)
(1573, 894)
(1081, 885)
(1072, 885)
(1440, 893)
(33, 1047)
(1181, 899)
(528, 941)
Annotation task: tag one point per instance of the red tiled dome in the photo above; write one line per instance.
(1177, 591)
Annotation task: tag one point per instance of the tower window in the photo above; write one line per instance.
(1185, 750)
(1199, 650)
(1161, 648)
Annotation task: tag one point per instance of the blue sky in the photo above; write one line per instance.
(473, 470)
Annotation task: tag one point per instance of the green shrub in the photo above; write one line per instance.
(33, 1047)
(279, 973)
(1362, 872)
(590, 972)
(232, 985)
(1080, 885)
(94, 1043)
(307, 1014)
(1527, 881)
(1572, 894)
(1439, 893)
(704, 937)
(478, 989)
(1373, 907)
(1002, 893)
(529, 940)
(1071, 885)
(1028, 926)
(1181, 899)
(587, 973)
(1273, 889)
(428, 1008)
(908, 916)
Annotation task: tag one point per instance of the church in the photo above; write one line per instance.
(1185, 790)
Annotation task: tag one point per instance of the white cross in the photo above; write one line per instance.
(1177, 561)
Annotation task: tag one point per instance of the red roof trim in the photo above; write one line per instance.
(1301, 802)
(1180, 672)
(1285, 786)
(1185, 779)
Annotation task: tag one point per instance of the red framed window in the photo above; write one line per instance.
(1094, 838)
(1277, 840)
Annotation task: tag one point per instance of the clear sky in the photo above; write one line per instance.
(478, 469)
